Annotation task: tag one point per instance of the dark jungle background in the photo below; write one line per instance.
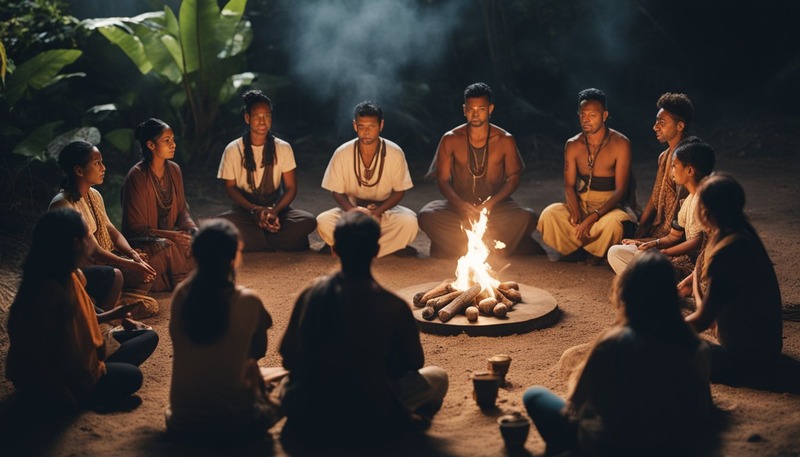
(738, 61)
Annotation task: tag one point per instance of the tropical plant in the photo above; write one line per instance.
(200, 53)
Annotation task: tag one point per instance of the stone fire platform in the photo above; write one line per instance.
(538, 309)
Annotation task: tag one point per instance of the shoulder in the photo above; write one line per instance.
(344, 148)
(392, 147)
(173, 166)
(282, 144)
(248, 297)
(59, 201)
(234, 145)
(574, 143)
(458, 132)
(618, 138)
(96, 193)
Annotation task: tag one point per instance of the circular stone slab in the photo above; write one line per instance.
(538, 309)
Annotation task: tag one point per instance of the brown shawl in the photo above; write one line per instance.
(139, 206)
(666, 196)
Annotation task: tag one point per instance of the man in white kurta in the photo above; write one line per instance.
(367, 186)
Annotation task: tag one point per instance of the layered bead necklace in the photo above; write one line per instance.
(378, 161)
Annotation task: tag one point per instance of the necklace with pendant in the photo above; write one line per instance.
(477, 160)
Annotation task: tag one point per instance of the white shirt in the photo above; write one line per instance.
(340, 176)
(231, 166)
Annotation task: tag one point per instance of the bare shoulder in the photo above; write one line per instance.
(504, 138)
(618, 138)
(573, 145)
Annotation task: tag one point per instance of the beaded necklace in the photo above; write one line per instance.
(477, 160)
(163, 193)
(593, 157)
(378, 160)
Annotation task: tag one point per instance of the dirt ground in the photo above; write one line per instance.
(758, 422)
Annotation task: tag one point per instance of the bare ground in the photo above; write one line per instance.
(758, 422)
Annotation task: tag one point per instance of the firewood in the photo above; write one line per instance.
(441, 301)
(441, 289)
(508, 285)
(428, 313)
(472, 313)
(418, 299)
(501, 298)
(512, 294)
(462, 301)
(487, 305)
(500, 310)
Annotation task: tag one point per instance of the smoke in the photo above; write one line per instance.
(349, 51)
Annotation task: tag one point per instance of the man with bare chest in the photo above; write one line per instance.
(597, 172)
(477, 166)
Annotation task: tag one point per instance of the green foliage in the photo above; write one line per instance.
(29, 27)
(198, 54)
(39, 72)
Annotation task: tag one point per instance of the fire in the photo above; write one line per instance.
(472, 267)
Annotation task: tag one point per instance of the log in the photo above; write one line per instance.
(462, 301)
(418, 299)
(512, 294)
(501, 298)
(442, 300)
(500, 310)
(472, 313)
(441, 289)
(428, 313)
(487, 305)
(508, 285)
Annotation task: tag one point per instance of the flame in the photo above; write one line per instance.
(472, 267)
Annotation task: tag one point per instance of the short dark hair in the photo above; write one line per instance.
(593, 94)
(252, 98)
(693, 151)
(149, 130)
(368, 108)
(355, 239)
(679, 106)
(478, 90)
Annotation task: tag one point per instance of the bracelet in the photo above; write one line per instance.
(253, 210)
(597, 211)
(658, 241)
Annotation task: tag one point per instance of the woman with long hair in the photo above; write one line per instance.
(644, 384)
(219, 332)
(735, 286)
(83, 166)
(155, 216)
(258, 170)
(57, 352)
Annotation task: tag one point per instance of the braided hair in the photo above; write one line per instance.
(250, 99)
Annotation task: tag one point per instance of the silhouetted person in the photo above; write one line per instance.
(57, 352)
(643, 388)
(353, 351)
(735, 287)
(219, 332)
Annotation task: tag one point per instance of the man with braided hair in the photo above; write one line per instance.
(258, 172)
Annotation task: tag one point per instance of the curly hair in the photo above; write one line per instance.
(679, 106)
(478, 90)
